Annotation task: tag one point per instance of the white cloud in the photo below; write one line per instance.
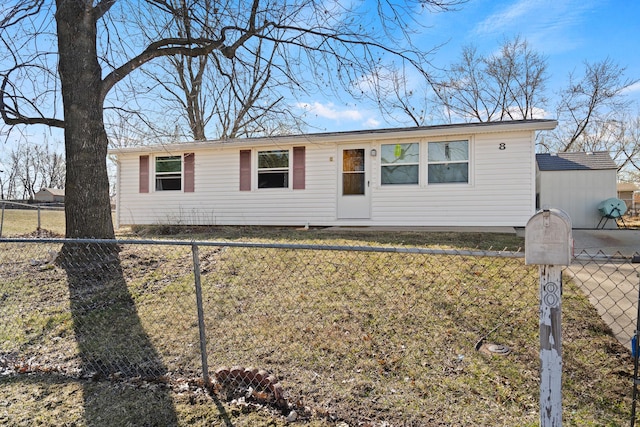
(541, 113)
(372, 123)
(503, 19)
(327, 116)
(455, 117)
(329, 111)
(549, 24)
(633, 89)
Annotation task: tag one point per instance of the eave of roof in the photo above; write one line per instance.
(53, 191)
(356, 136)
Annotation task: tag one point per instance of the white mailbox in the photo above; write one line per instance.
(548, 238)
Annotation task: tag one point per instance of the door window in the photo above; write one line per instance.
(353, 172)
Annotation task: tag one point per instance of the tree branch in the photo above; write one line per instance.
(164, 47)
(11, 115)
(101, 8)
(20, 11)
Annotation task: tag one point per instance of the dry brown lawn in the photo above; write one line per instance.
(354, 338)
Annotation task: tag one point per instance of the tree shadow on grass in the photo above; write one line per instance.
(112, 343)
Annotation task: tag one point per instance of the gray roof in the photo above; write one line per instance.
(52, 191)
(599, 160)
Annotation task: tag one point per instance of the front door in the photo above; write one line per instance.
(353, 183)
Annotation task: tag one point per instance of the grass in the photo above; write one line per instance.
(630, 221)
(19, 222)
(25, 222)
(353, 337)
(347, 236)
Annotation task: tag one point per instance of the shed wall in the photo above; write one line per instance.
(578, 192)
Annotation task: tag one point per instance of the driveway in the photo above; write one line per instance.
(609, 242)
(612, 287)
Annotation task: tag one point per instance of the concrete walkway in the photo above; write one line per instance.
(609, 242)
(612, 288)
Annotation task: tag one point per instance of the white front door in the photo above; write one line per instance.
(353, 183)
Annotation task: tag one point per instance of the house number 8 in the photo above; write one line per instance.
(502, 146)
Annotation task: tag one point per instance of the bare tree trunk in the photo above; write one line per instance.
(88, 209)
(94, 272)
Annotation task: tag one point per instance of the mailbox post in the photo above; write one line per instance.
(549, 244)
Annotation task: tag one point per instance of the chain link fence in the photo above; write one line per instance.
(15, 217)
(611, 284)
(357, 335)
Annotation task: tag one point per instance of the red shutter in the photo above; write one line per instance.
(144, 174)
(298, 168)
(189, 166)
(245, 170)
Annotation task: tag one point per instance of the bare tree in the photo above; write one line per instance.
(53, 170)
(75, 65)
(590, 107)
(508, 85)
(398, 96)
(620, 136)
(629, 151)
(216, 96)
(31, 167)
(221, 98)
(11, 168)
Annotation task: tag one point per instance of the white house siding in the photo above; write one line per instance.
(578, 192)
(500, 192)
(217, 199)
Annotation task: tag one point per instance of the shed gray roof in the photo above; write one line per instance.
(599, 160)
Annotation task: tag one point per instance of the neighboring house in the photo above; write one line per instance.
(480, 174)
(626, 191)
(50, 195)
(577, 183)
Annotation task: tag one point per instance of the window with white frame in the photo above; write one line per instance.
(400, 163)
(273, 169)
(448, 162)
(168, 173)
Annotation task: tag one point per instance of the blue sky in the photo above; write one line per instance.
(566, 32)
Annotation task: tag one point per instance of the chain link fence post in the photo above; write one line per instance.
(635, 349)
(2, 219)
(203, 336)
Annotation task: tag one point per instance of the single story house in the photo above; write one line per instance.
(474, 174)
(50, 195)
(577, 183)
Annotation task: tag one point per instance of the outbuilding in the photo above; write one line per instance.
(50, 195)
(630, 194)
(577, 183)
(474, 174)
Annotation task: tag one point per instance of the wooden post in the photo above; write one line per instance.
(549, 244)
(550, 346)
